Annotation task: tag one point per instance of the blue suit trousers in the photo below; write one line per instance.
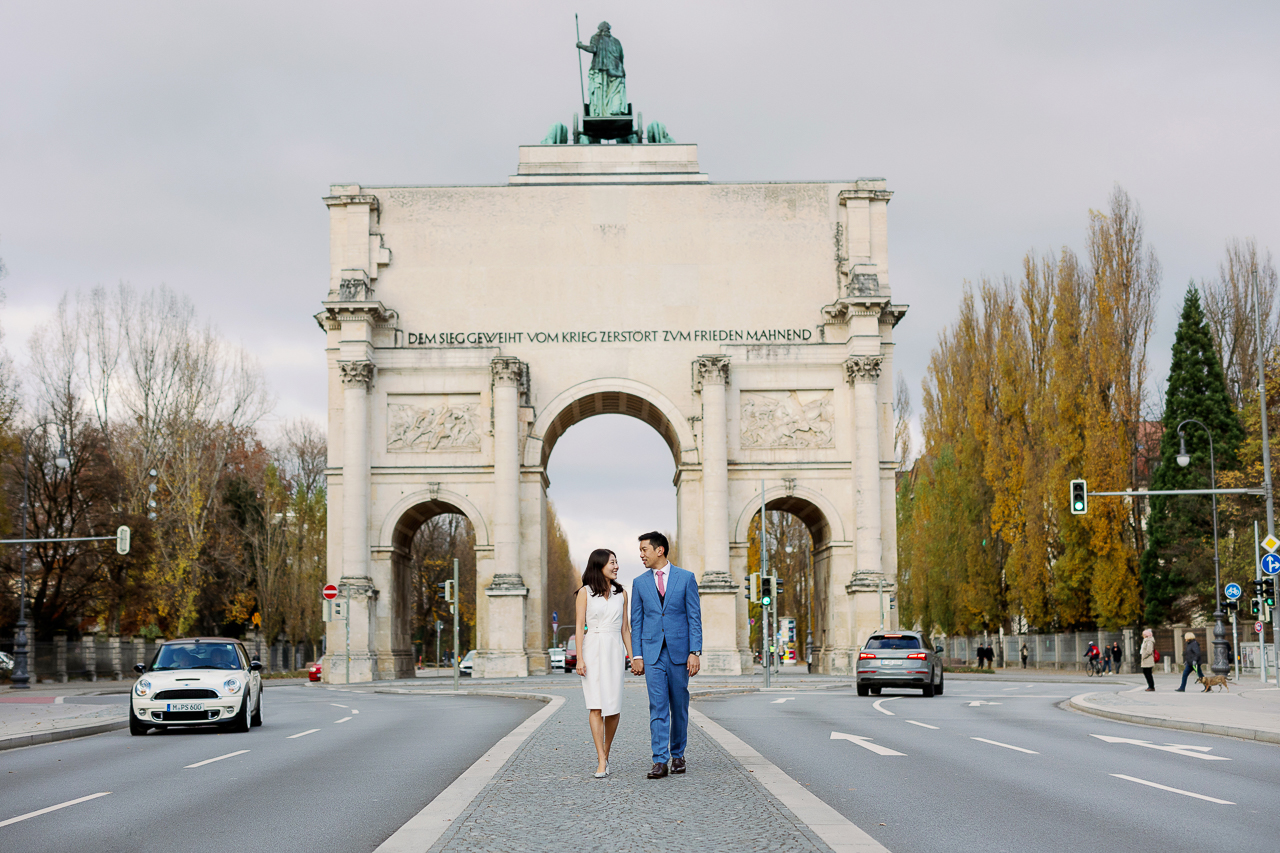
(668, 683)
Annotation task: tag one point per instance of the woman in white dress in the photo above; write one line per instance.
(602, 649)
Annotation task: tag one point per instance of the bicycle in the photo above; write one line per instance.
(1092, 667)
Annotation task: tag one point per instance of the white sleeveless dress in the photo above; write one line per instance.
(604, 654)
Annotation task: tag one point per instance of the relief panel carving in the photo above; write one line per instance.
(433, 422)
(787, 419)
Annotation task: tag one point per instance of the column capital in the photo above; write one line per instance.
(357, 373)
(862, 368)
(710, 370)
(507, 370)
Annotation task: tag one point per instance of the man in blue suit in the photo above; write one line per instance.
(667, 618)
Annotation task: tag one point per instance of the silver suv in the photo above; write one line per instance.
(900, 659)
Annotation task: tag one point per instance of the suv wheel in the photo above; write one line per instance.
(937, 691)
(256, 719)
(863, 690)
(240, 722)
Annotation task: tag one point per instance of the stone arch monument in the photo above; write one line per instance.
(467, 328)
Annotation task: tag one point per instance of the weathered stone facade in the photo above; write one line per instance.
(469, 327)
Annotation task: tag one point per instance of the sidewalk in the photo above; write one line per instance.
(1248, 712)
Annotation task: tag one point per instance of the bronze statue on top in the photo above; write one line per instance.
(607, 79)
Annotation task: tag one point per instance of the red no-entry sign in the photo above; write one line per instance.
(330, 591)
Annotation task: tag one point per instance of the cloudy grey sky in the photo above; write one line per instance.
(190, 144)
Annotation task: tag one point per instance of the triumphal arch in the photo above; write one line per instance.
(750, 324)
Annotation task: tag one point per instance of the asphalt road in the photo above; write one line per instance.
(329, 770)
(960, 783)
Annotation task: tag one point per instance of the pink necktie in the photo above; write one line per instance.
(662, 587)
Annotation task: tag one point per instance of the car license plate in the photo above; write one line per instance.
(184, 706)
(892, 663)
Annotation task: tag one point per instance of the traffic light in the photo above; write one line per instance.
(1254, 606)
(122, 539)
(777, 587)
(753, 587)
(1079, 497)
(1269, 591)
(766, 590)
(1231, 605)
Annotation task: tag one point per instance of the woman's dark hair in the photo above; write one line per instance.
(594, 577)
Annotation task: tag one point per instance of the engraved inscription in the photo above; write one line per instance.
(787, 418)
(437, 422)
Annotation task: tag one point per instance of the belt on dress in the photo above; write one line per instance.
(591, 631)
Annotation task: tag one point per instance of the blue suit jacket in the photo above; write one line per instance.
(677, 621)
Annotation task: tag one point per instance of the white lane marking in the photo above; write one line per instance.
(39, 812)
(783, 699)
(354, 711)
(343, 720)
(921, 725)
(980, 702)
(59, 700)
(876, 705)
(1013, 688)
(1176, 748)
(302, 734)
(1006, 745)
(1173, 790)
(219, 758)
(336, 705)
(865, 743)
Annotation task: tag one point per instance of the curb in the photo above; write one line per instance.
(1083, 705)
(52, 735)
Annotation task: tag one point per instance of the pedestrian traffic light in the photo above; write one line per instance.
(1079, 497)
(1254, 605)
(766, 590)
(1269, 591)
(753, 587)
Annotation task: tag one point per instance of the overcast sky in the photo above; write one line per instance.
(190, 144)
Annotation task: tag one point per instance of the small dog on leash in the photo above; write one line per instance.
(1213, 681)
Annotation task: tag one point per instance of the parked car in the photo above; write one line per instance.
(557, 658)
(198, 681)
(315, 670)
(571, 655)
(901, 659)
(464, 665)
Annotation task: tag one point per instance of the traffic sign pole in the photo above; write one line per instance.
(456, 664)
(1262, 641)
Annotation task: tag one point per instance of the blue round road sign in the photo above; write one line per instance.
(1233, 591)
(1271, 564)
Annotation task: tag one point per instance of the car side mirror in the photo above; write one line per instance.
(255, 666)
(937, 650)
(139, 667)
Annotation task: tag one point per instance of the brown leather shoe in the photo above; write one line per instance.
(658, 771)
(677, 765)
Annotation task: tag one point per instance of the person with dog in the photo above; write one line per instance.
(1147, 658)
(1192, 657)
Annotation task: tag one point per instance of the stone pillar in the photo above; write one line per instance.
(89, 652)
(1129, 665)
(718, 593)
(60, 656)
(139, 651)
(1178, 631)
(864, 589)
(357, 379)
(117, 665)
(711, 374)
(505, 657)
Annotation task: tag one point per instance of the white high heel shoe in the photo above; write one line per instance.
(600, 774)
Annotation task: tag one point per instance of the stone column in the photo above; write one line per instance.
(711, 374)
(89, 653)
(357, 379)
(1129, 665)
(139, 651)
(863, 372)
(113, 651)
(503, 654)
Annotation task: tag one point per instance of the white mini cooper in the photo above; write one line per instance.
(199, 681)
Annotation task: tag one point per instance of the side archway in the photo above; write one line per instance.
(812, 508)
(412, 510)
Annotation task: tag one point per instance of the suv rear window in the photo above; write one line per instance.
(892, 642)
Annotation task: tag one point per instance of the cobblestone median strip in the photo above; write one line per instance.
(839, 833)
(1104, 705)
(424, 828)
(546, 797)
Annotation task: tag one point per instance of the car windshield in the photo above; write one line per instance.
(196, 656)
(893, 641)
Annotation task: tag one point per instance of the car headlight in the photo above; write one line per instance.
(141, 688)
(232, 686)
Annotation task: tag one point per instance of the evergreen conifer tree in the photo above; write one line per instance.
(1179, 555)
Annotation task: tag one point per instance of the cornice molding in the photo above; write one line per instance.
(360, 198)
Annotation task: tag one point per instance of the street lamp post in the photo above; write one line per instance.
(21, 675)
(1221, 660)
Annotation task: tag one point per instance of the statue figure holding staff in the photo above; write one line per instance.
(606, 81)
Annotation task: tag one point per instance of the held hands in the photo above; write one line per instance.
(637, 666)
(695, 664)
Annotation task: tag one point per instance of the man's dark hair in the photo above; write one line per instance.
(657, 540)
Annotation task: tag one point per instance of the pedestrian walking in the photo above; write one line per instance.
(1106, 659)
(603, 640)
(1117, 655)
(1023, 653)
(1147, 658)
(1192, 658)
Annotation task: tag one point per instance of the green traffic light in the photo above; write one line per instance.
(1079, 505)
(766, 600)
